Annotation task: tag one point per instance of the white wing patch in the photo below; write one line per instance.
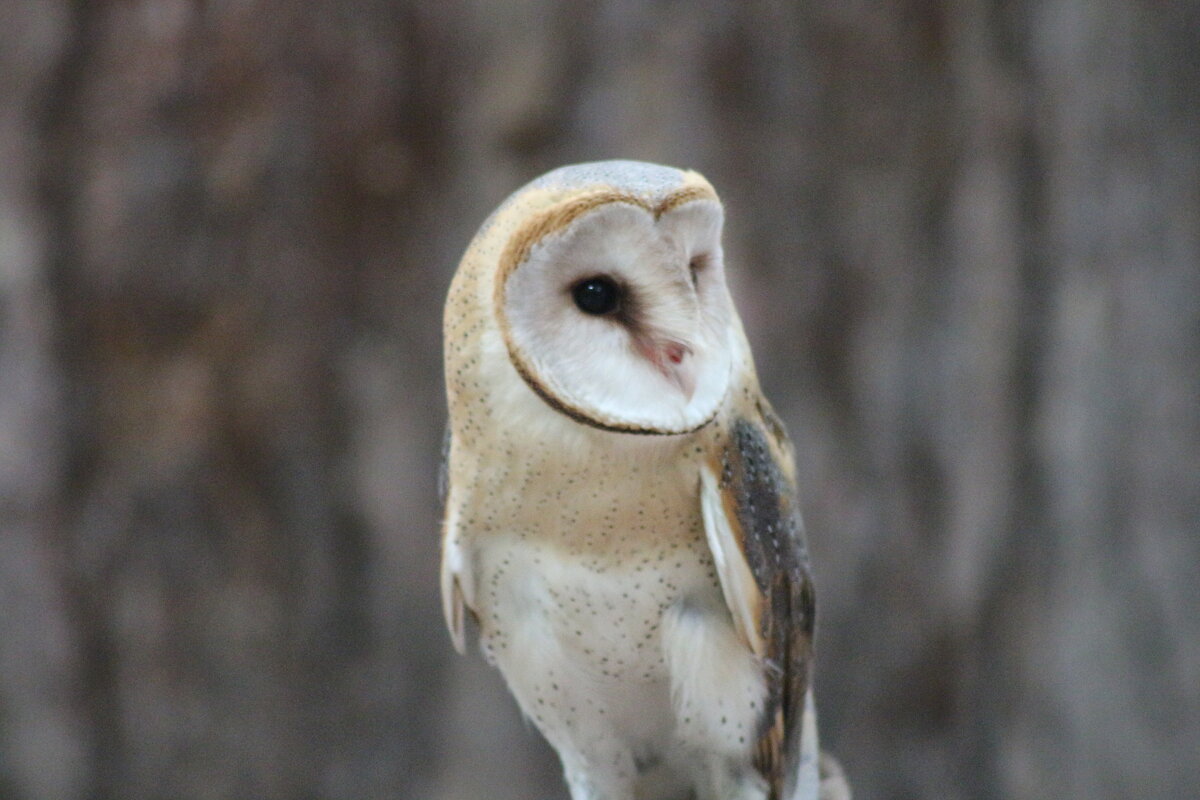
(737, 583)
(456, 574)
(808, 777)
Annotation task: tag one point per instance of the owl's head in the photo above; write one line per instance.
(608, 293)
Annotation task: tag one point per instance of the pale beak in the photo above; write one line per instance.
(674, 360)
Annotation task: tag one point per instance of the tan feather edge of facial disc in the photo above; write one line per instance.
(551, 221)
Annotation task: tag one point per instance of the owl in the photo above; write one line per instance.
(621, 518)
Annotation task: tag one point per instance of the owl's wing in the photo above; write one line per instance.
(752, 523)
(455, 603)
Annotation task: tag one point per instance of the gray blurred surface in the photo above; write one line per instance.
(965, 240)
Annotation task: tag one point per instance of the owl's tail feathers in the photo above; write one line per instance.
(833, 779)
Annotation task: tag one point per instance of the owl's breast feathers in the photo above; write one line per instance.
(754, 530)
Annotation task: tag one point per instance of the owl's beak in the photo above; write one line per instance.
(674, 360)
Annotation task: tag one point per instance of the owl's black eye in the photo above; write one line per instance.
(598, 295)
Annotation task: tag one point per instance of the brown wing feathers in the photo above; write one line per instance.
(762, 501)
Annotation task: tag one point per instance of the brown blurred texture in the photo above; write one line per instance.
(966, 245)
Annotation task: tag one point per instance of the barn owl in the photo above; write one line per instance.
(620, 506)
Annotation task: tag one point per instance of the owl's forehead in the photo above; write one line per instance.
(554, 215)
(652, 182)
(576, 187)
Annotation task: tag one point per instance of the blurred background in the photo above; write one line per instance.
(964, 238)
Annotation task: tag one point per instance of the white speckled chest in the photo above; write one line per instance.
(575, 562)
